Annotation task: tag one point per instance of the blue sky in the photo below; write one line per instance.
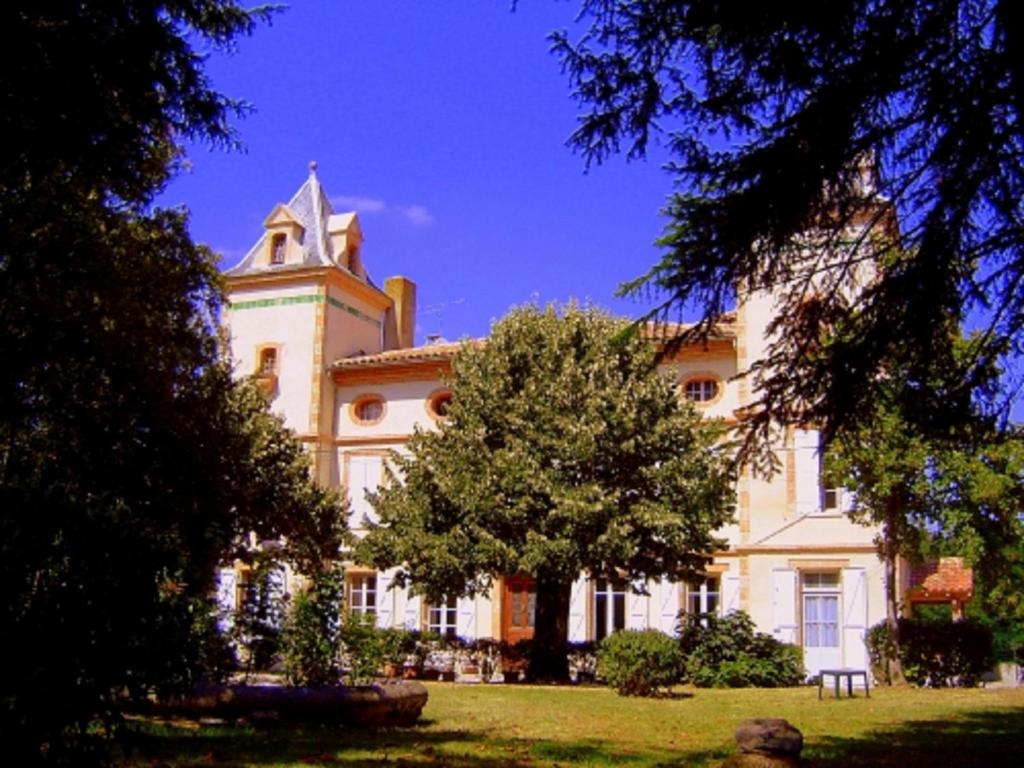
(444, 125)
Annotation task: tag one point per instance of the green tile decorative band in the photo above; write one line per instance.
(310, 298)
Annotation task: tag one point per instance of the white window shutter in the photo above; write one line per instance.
(385, 599)
(276, 582)
(666, 593)
(413, 610)
(730, 594)
(808, 471)
(636, 609)
(784, 626)
(578, 611)
(364, 473)
(227, 586)
(465, 617)
(855, 618)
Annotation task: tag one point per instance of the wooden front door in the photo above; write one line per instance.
(518, 608)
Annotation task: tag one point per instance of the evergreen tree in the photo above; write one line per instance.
(131, 464)
(812, 135)
(564, 451)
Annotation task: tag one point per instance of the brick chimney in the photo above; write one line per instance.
(400, 323)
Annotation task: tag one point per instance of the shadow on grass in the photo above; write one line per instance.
(974, 739)
(971, 739)
(160, 746)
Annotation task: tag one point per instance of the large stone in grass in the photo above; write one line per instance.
(770, 736)
(398, 703)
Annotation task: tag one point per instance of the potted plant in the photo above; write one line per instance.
(396, 645)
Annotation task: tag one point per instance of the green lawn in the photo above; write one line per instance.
(492, 726)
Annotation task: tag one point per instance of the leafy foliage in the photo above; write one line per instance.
(564, 450)
(960, 492)
(728, 652)
(935, 653)
(131, 464)
(807, 142)
(639, 663)
(311, 641)
(365, 647)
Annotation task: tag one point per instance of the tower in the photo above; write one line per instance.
(302, 298)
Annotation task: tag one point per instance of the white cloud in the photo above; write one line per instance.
(359, 203)
(417, 215)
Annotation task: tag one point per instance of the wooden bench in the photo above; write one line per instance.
(838, 674)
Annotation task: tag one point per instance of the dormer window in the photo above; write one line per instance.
(278, 244)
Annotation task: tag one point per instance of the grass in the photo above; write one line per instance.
(518, 726)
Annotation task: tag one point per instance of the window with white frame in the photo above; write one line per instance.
(441, 617)
(821, 609)
(362, 593)
(704, 595)
(609, 607)
(701, 390)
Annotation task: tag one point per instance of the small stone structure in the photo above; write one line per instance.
(382, 704)
(766, 742)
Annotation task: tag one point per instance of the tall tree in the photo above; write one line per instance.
(959, 492)
(130, 463)
(564, 451)
(813, 135)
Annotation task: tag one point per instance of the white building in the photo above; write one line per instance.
(335, 354)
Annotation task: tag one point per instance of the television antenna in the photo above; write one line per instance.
(437, 311)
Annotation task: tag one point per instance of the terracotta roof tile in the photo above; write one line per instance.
(940, 581)
(424, 354)
(446, 350)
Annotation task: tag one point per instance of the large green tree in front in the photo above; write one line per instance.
(792, 129)
(130, 462)
(564, 451)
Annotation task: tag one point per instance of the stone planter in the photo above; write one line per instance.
(381, 704)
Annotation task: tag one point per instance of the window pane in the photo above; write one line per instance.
(811, 639)
(830, 609)
(830, 636)
(811, 609)
(620, 611)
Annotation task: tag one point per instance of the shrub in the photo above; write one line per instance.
(935, 653)
(364, 647)
(398, 645)
(727, 652)
(312, 633)
(639, 663)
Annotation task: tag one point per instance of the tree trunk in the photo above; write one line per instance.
(890, 551)
(549, 657)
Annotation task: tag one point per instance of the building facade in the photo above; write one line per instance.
(335, 354)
